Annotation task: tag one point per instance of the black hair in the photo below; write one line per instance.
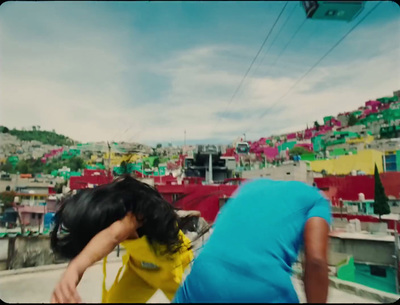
(89, 211)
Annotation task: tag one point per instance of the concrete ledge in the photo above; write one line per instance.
(50, 267)
(364, 291)
(360, 290)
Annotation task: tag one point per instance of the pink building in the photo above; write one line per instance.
(31, 208)
(271, 153)
(373, 105)
(291, 136)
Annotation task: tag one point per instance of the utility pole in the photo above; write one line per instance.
(109, 161)
(210, 173)
(384, 162)
(396, 254)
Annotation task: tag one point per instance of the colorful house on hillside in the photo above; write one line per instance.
(364, 161)
(318, 143)
(282, 147)
(13, 160)
(90, 178)
(388, 100)
(339, 137)
(349, 187)
(71, 153)
(52, 154)
(291, 136)
(392, 161)
(331, 121)
(336, 152)
(373, 105)
(117, 158)
(357, 113)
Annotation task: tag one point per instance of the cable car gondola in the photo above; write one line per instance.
(333, 10)
(242, 148)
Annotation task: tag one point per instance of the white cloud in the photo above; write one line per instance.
(80, 89)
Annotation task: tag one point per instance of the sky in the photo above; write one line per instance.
(147, 71)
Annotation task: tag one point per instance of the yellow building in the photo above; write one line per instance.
(365, 140)
(117, 158)
(365, 161)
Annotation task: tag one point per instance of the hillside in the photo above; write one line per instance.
(44, 136)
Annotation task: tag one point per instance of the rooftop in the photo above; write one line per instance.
(35, 285)
(364, 236)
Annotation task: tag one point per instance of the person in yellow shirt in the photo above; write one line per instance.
(130, 213)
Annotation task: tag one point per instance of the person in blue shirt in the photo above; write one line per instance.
(256, 239)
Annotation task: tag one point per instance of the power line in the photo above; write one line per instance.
(254, 59)
(277, 35)
(318, 61)
(288, 43)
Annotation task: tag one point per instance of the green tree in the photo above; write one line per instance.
(156, 162)
(46, 137)
(23, 167)
(75, 164)
(316, 125)
(298, 150)
(124, 167)
(159, 145)
(7, 167)
(381, 206)
(352, 120)
(37, 166)
(146, 165)
(7, 198)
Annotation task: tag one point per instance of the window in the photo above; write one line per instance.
(33, 216)
(378, 271)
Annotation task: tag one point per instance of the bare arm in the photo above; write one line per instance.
(316, 281)
(100, 245)
(104, 242)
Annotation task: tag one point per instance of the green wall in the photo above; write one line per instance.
(347, 270)
(398, 160)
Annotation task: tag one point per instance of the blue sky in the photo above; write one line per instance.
(146, 71)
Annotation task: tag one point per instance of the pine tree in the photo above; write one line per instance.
(381, 206)
(352, 120)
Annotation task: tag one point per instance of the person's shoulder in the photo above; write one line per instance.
(298, 185)
(303, 188)
(255, 183)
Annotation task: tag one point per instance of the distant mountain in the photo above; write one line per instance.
(44, 136)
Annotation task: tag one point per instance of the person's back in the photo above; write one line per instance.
(256, 239)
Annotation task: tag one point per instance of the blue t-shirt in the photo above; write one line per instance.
(256, 239)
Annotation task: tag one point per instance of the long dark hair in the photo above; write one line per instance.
(90, 211)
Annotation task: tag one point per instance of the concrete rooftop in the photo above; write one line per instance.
(35, 285)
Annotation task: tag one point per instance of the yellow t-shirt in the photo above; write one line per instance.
(146, 272)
